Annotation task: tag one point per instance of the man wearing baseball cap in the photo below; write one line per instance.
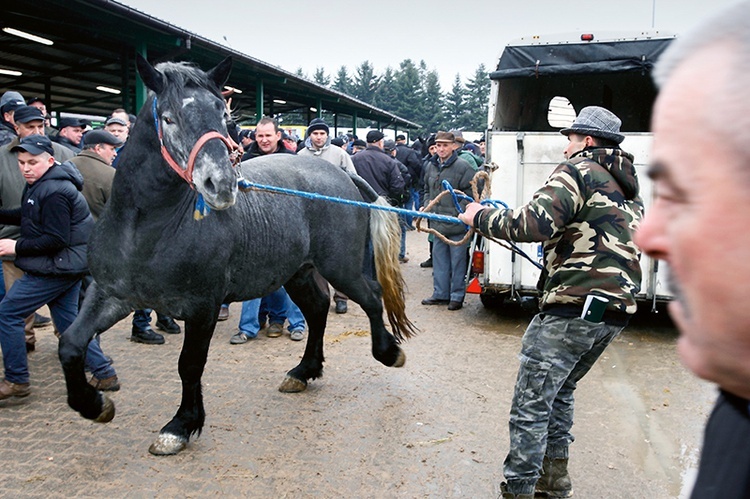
(28, 120)
(585, 216)
(71, 132)
(51, 250)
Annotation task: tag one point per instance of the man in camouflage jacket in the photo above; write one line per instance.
(585, 216)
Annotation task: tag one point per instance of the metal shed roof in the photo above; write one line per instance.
(94, 43)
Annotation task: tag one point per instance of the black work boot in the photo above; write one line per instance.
(168, 325)
(504, 494)
(147, 336)
(555, 480)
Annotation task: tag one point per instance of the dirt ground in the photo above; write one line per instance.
(435, 428)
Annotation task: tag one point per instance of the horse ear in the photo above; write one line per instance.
(220, 74)
(150, 76)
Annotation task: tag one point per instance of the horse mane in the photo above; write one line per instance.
(184, 74)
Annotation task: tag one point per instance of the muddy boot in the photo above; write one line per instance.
(504, 494)
(555, 481)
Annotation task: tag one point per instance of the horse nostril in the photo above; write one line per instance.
(209, 186)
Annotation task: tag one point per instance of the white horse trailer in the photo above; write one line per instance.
(536, 79)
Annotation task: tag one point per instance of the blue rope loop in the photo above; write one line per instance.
(456, 196)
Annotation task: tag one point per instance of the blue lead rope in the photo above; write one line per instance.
(245, 184)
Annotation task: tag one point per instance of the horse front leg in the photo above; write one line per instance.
(98, 313)
(306, 291)
(189, 419)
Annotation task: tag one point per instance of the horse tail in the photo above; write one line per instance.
(386, 242)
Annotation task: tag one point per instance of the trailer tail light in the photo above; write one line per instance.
(587, 37)
(477, 262)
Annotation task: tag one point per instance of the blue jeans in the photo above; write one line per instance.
(402, 223)
(556, 352)
(142, 318)
(25, 296)
(412, 203)
(449, 264)
(277, 306)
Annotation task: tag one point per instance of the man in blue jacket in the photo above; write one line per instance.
(55, 226)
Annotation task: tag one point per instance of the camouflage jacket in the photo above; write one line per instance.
(585, 215)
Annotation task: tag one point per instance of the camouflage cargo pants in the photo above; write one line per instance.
(556, 353)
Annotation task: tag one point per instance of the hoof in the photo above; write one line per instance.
(167, 445)
(400, 360)
(292, 385)
(108, 410)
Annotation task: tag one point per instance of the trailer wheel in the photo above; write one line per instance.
(492, 300)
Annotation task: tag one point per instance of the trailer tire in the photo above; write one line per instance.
(493, 300)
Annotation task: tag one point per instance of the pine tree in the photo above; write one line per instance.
(409, 91)
(386, 93)
(365, 82)
(478, 94)
(343, 83)
(432, 117)
(455, 105)
(321, 78)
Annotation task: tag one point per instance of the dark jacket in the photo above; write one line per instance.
(55, 224)
(724, 471)
(65, 142)
(254, 152)
(459, 174)
(7, 132)
(381, 171)
(410, 159)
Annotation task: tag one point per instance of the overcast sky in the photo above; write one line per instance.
(451, 37)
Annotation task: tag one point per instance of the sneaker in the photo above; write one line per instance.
(168, 325)
(274, 330)
(147, 336)
(426, 264)
(41, 320)
(18, 390)
(239, 338)
(223, 313)
(111, 384)
(341, 307)
(403, 259)
(297, 335)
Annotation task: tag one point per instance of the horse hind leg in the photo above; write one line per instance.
(367, 294)
(307, 293)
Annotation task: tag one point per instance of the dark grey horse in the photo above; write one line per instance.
(150, 250)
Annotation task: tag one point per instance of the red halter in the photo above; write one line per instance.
(235, 153)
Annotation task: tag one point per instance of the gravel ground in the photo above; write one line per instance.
(435, 428)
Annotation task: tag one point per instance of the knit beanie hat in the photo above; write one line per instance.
(317, 124)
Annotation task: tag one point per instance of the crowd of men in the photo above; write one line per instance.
(52, 190)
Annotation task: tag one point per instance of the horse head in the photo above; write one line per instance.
(190, 118)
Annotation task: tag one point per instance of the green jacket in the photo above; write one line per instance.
(585, 215)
